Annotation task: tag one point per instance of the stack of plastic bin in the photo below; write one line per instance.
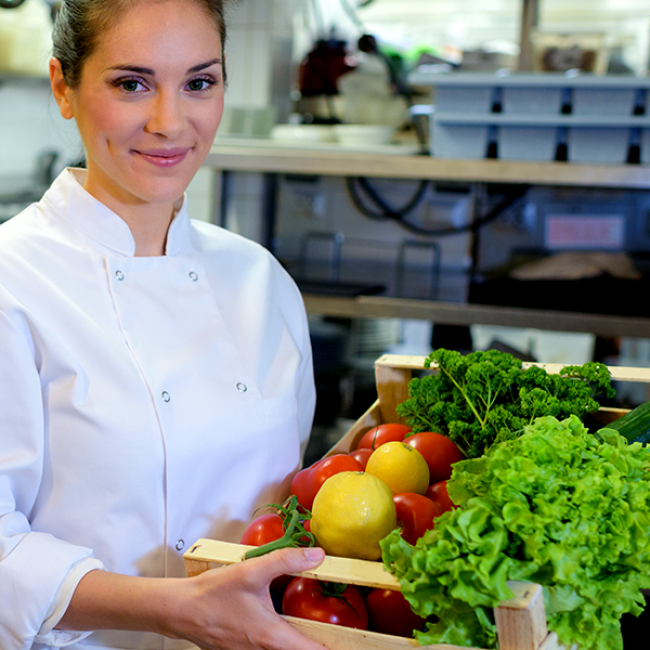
(539, 117)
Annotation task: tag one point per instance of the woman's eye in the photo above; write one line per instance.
(129, 85)
(199, 84)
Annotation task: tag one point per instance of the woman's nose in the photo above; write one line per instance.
(167, 117)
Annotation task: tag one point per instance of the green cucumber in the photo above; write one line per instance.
(634, 426)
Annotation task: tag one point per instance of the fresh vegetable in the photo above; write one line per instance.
(390, 613)
(487, 397)
(634, 426)
(301, 488)
(306, 485)
(415, 514)
(352, 512)
(323, 469)
(326, 602)
(264, 529)
(294, 532)
(438, 492)
(389, 432)
(439, 452)
(558, 506)
(402, 467)
(362, 454)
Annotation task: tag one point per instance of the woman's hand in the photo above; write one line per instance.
(223, 609)
(231, 609)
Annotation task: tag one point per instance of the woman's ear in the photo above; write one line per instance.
(60, 89)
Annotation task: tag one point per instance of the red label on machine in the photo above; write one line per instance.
(585, 231)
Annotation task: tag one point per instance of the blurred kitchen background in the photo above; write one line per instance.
(299, 70)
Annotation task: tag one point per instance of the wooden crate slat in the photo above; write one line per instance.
(336, 637)
(333, 569)
(416, 362)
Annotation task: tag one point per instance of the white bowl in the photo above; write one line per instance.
(302, 133)
(354, 135)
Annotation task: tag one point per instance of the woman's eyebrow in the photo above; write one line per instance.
(148, 71)
(203, 66)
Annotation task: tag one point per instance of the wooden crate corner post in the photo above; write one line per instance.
(392, 386)
(521, 622)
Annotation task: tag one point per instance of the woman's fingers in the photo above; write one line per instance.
(286, 560)
(231, 609)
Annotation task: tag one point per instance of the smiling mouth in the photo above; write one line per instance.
(164, 158)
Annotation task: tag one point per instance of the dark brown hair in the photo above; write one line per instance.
(79, 23)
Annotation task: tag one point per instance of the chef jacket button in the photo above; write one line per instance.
(165, 395)
(241, 387)
(180, 545)
(119, 275)
(193, 276)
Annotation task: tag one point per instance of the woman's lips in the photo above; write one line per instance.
(164, 157)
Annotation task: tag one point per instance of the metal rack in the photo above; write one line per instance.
(273, 161)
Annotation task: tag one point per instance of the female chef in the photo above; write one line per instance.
(155, 373)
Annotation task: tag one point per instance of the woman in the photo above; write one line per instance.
(155, 374)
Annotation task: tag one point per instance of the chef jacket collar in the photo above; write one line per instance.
(68, 198)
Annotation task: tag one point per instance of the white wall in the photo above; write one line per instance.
(29, 124)
(259, 40)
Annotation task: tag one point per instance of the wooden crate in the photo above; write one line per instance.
(521, 622)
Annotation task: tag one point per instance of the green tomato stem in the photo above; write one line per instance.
(294, 536)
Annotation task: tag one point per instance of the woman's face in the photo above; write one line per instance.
(148, 104)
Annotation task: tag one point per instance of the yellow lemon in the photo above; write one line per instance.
(400, 466)
(351, 513)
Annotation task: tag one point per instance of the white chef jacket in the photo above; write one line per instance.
(145, 402)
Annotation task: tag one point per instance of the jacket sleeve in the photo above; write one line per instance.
(38, 572)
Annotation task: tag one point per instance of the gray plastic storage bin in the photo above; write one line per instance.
(459, 140)
(464, 98)
(645, 146)
(598, 144)
(537, 143)
(531, 100)
(603, 100)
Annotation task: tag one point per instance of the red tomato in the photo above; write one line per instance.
(389, 612)
(301, 487)
(439, 452)
(304, 598)
(383, 433)
(263, 530)
(438, 493)
(416, 514)
(327, 467)
(362, 454)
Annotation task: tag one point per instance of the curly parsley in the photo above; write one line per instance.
(484, 398)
